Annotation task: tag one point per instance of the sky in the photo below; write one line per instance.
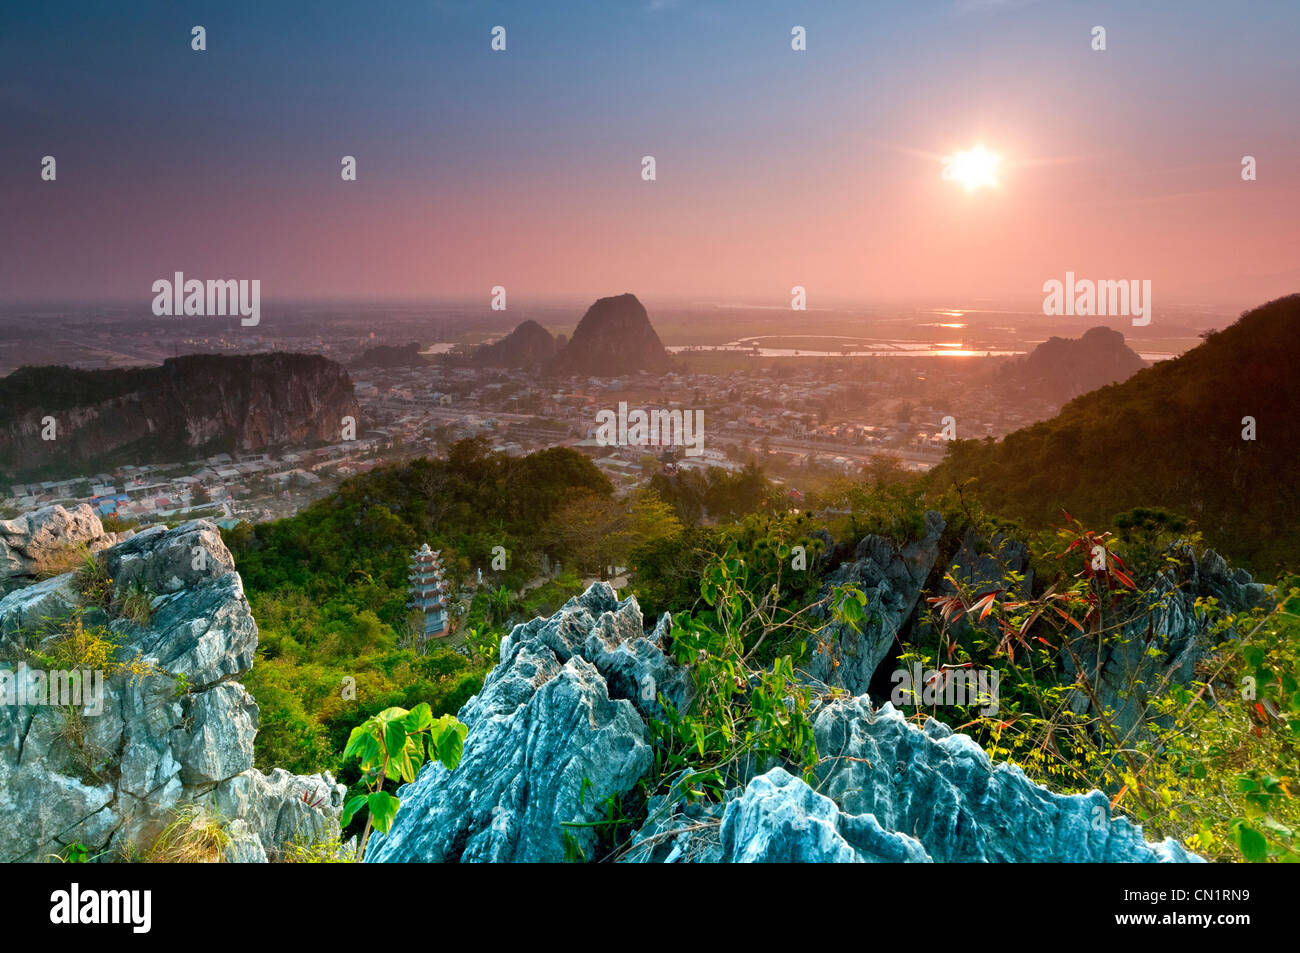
(774, 168)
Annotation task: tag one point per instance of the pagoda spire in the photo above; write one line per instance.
(428, 591)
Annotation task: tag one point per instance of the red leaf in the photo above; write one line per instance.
(1068, 618)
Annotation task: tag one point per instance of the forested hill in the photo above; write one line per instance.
(1173, 436)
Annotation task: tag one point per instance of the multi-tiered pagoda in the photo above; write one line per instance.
(429, 591)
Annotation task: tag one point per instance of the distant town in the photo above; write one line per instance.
(795, 417)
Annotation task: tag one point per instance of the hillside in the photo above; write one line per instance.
(1171, 436)
(614, 337)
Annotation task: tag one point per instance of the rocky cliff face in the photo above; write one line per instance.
(614, 337)
(193, 404)
(174, 732)
(560, 727)
(846, 656)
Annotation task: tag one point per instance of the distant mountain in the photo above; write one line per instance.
(1062, 368)
(614, 337)
(1171, 436)
(191, 405)
(390, 355)
(529, 345)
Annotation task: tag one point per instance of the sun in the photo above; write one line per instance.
(973, 168)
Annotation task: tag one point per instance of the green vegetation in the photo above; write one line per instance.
(1169, 437)
(390, 747)
(328, 587)
(748, 710)
(1211, 762)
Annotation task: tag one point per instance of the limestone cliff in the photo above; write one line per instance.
(191, 405)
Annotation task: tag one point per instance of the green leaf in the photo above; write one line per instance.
(1251, 842)
(394, 738)
(418, 718)
(408, 763)
(354, 804)
(451, 744)
(383, 809)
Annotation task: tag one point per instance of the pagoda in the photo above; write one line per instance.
(429, 591)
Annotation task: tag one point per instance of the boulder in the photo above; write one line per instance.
(48, 540)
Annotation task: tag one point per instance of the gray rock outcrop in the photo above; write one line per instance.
(172, 731)
(1162, 647)
(845, 655)
(888, 791)
(941, 789)
(559, 728)
(556, 731)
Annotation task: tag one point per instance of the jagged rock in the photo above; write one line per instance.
(978, 565)
(941, 789)
(553, 735)
(280, 808)
(1178, 631)
(889, 791)
(167, 561)
(48, 599)
(780, 819)
(677, 831)
(47, 539)
(176, 730)
(843, 655)
(635, 667)
(550, 740)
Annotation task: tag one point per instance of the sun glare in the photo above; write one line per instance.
(973, 168)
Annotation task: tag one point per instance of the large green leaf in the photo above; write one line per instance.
(406, 762)
(418, 718)
(354, 804)
(1251, 842)
(394, 738)
(363, 744)
(448, 738)
(383, 808)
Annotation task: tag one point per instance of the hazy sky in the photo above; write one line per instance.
(523, 168)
